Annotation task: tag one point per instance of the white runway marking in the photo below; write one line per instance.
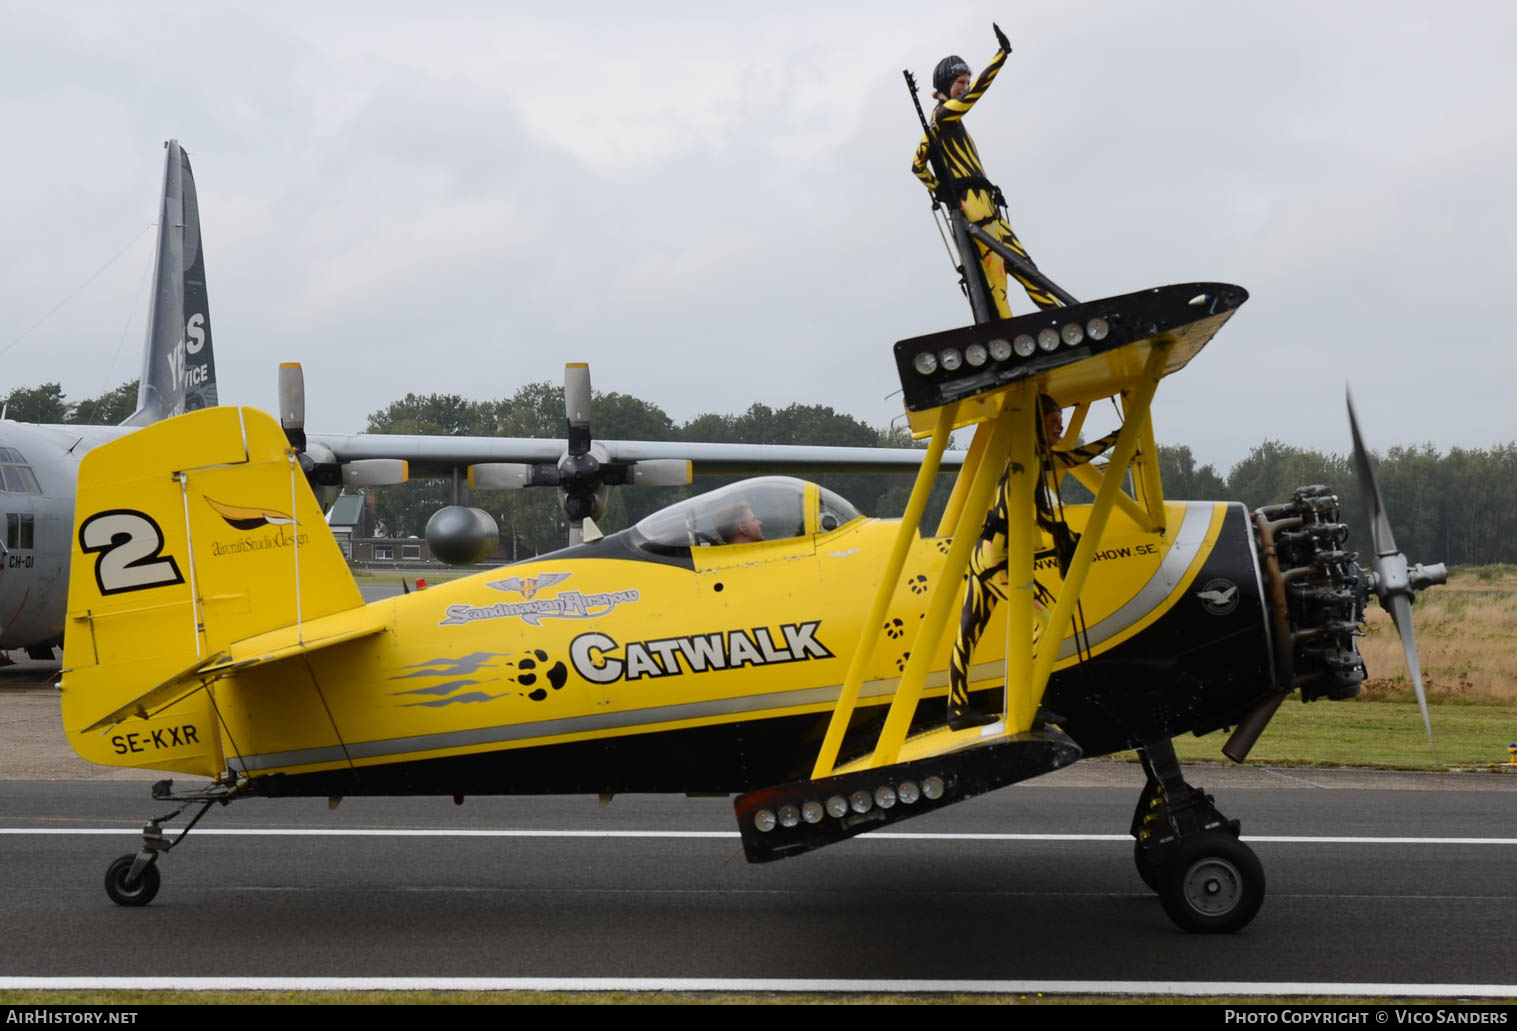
(380, 832)
(1233, 989)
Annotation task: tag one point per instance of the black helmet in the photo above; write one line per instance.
(948, 69)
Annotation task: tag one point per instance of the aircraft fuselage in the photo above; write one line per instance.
(616, 667)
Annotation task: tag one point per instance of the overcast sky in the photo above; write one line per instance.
(715, 209)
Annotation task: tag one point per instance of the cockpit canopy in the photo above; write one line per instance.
(782, 506)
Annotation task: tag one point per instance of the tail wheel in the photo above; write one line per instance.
(1211, 883)
(139, 893)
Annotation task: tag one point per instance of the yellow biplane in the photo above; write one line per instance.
(764, 640)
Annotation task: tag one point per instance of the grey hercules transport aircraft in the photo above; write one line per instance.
(39, 463)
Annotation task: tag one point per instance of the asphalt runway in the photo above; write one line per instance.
(1033, 884)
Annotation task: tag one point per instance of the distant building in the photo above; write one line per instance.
(346, 519)
(367, 550)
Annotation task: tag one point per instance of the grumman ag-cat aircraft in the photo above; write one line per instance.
(215, 630)
(764, 640)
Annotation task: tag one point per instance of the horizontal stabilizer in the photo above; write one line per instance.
(265, 648)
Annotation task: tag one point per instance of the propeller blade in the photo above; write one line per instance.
(659, 472)
(1369, 488)
(1400, 608)
(577, 400)
(292, 403)
(589, 531)
(375, 472)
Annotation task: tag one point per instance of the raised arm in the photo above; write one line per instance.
(953, 110)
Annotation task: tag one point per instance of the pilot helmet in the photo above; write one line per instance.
(948, 69)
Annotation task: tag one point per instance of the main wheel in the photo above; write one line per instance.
(124, 894)
(1148, 866)
(1212, 883)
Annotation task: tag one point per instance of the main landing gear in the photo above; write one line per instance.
(133, 879)
(1189, 853)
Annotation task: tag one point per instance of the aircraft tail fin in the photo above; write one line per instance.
(178, 368)
(189, 535)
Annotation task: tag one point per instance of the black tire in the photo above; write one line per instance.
(1148, 866)
(1211, 883)
(123, 894)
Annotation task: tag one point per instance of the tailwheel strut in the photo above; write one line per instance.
(134, 879)
(1190, 854)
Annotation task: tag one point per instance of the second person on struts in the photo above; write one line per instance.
(986, 583)
(981, 200)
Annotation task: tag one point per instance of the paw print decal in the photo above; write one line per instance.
(895, 628)
(900, 664)
(943, 545)
(447, 680)
(918, 584)
(526, 676)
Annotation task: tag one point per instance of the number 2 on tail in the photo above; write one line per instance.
(126, 544)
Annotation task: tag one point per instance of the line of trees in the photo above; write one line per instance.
(47, 404)
(1458, 506)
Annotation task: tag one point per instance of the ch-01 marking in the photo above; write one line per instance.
(162, 737)
(731, 649)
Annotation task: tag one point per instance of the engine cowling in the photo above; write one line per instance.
(1318, 591)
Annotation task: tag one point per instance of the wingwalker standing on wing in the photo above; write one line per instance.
(957, 181)
(976, 211)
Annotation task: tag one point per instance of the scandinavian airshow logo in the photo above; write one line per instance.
(601, 660)
(1219, 597)
(537, 607)
(242, 517)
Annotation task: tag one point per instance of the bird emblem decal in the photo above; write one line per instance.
(527, 586)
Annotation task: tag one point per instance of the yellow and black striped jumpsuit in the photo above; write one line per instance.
(987, 582)
(978, 202)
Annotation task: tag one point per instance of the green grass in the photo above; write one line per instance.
(1385, 735)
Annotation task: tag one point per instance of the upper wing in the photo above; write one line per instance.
(438, 456)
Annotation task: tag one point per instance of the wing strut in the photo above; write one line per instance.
(1112, 348)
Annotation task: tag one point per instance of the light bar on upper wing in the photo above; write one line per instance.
(940, 368)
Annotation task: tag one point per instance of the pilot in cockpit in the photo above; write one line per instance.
(736, 524)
